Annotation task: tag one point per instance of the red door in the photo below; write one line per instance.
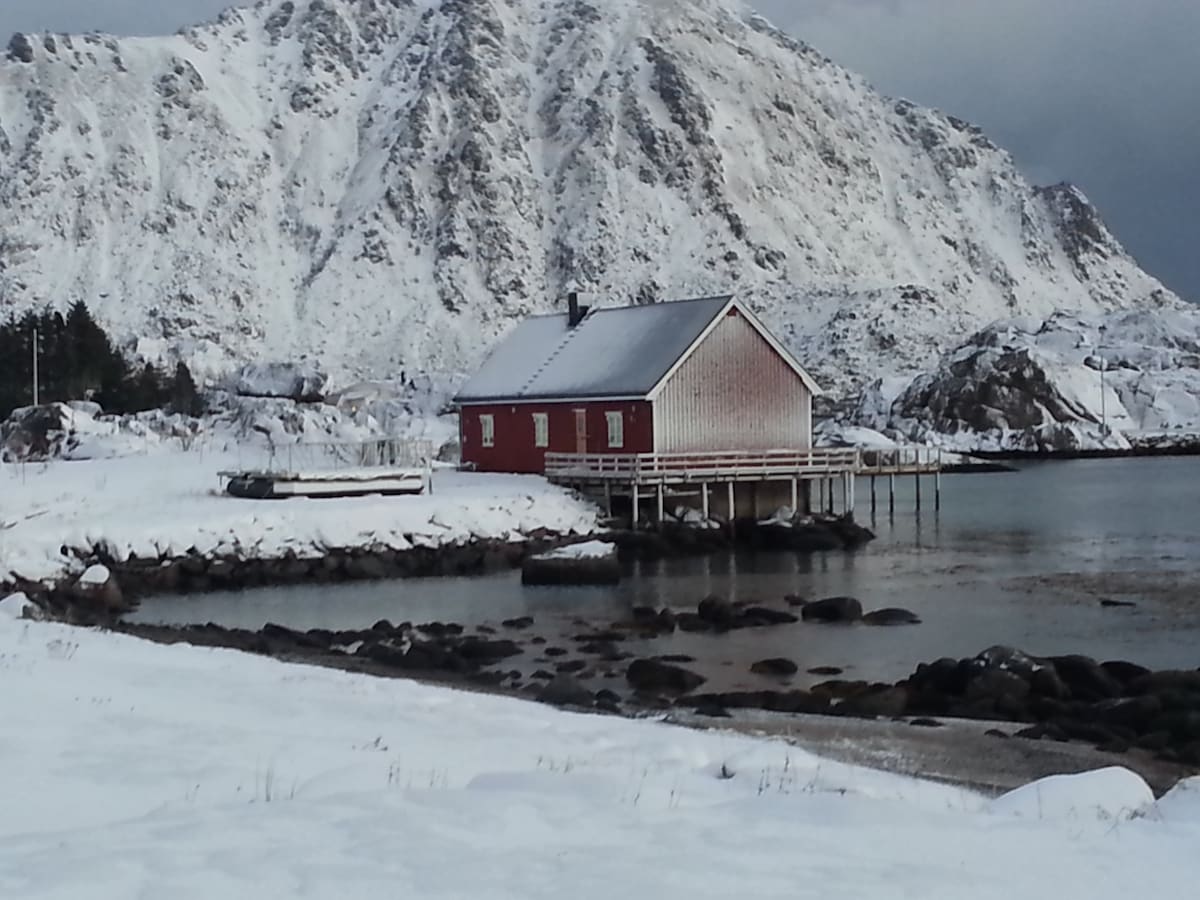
(581, 431)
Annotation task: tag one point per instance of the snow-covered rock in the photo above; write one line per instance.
(387, 187)
(302, 381)
(13, 606)
(1067, 382)
(1110, 794)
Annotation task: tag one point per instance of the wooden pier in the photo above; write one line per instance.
(813, 476)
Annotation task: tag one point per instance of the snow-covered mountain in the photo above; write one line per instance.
(386, 185)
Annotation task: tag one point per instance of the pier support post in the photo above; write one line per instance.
(891, 494)
(872, 495)
(917, 482)
(660, 505)
(845, 493)
(608, 498)
(795, 496)
(830, 497)
(636, 499)
(732, 510)
(937, 490)
(704, 499)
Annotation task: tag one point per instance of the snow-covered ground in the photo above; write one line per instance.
(130, 769)
(165, 503)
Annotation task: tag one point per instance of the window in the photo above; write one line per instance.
(616, 429)
(487, 430)
(541, 430)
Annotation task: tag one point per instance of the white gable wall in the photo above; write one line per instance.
(733, 393)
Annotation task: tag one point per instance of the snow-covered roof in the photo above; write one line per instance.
(620, 351)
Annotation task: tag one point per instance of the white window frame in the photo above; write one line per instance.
(616, 428)
(487, 430)
(541, 429)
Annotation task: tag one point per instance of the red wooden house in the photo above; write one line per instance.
(687, 376)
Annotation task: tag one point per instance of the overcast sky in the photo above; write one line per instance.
(1104, 93)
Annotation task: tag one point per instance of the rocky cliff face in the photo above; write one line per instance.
(387, 185)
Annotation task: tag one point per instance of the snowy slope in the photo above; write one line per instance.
(387, 186)
(135, 770)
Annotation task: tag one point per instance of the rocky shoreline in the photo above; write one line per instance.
(76, 600)
(1123, 711)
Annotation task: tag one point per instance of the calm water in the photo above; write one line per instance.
(1015, 558)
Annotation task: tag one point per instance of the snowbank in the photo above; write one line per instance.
(168, 504)
(1112, 793)
(148, 770)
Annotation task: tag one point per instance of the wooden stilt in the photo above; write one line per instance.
(660, 504)
(872, 494)
(732, 510)
(795, 495)
(636, 498)
(845, 493)
(937, 490)
(830, 497)
(891, 493)
(608, 499)
(704, 499)
(917, 482)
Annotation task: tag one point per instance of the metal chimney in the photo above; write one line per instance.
(575, 312)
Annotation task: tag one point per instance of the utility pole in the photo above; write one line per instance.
(35, 367)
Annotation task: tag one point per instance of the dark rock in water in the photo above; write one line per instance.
(825, 670)
(832, 609)
(675, 658)
(1086, 679)
(571, 665)
(565, 690)
(801, 536)
(608, 706)
(485, 651)
(839, 690)
(605, 695)
(691, 622)
(774, 666)
(1125, 672)
(891, 616)
(605, 636)
(606, 650)
(383, 626)
(542, 675)
(762, 616)
(716, 612)
(712, 711)
(485, 629)
(1009, 658)
(943, 676)
(518, 623)
(878, 700)
(440, 629)
(996, 732)
(925, 722)
(1047, 730)
(560, 567)
(852, 534)
(995, 683)
(794, 600)
(537, 640)
(555, 651)
(652, 675)
(1107, 602)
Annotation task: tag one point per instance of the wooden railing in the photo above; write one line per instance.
(716, 465)
(900, 460)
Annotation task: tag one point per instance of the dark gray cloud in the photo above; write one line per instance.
(114, 16)
(1098, 92)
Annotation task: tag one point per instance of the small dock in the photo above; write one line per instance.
(387, 466)
(744, 482)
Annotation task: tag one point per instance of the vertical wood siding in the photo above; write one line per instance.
(514, 449)
(733, 393)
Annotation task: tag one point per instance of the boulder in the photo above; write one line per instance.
(591, 562)
(716, 612)
(483, 651)
(832, 609)
(877, 700)
(652, 675)
(300, 381)
(566, 690)
(776, 666)
(762, 616)
(1086, 679)
(891, 616)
